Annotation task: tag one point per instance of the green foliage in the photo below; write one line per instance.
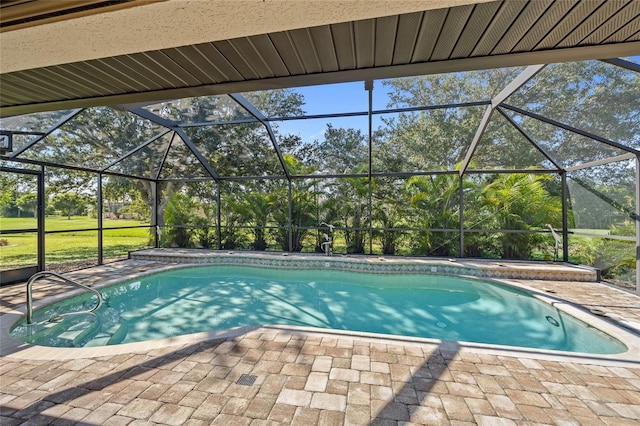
(27, 203)
(7, 203)
(520, 202)
(69, 203)
(137, 209)
(17, 195)
(275, 206)
(345, 204)
(232, 217)
(388, 216)
(180, 212)
(433, 202)
(615, 258)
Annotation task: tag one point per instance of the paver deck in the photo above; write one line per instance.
(302, 377)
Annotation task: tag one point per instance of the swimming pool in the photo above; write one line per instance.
(194, 299)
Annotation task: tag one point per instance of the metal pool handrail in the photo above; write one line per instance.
(38, 275)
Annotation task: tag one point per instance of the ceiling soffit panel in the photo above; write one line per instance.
(592, 22)
(346, 49)
(307, 51)
(453, 27)
(385, 45)
(476, 26)
(219, 68)
(568, 23)
(498, 27)
(243, 65)
(618, 27)
(552, 16)
(129, 70)
(287, 51)
(406, 36)
(323, 40)
(431, 27)
(629, 32)
(193, 62)
(164, 61)
(364, 38)
(460, 38)
(522, 24)
(117, 72)
(269, 55)
(245, 48)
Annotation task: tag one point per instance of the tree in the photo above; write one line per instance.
(520, 202)
(68, 203)
(178, 214)
(97, 136)
(255, 209)
(582, 94)
(8, 196)
(303, 206)
(343, 201)
(346, 205)
(28, 203)
(434, 139)
(341, 151)
(434, 205)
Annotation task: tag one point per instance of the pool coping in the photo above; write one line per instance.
(630, 337)
(482, 268)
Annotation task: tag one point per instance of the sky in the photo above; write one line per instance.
(331, 99)
(343, 97)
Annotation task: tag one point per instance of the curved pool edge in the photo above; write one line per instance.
(19, 350)
(11, 347)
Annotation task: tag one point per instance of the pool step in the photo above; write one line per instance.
(69, 331)
(76, 332)
(110, 335)
(119, 335)
(46, 330)
(80, 332)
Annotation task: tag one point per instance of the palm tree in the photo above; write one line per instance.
(434, 205)
(517, 202)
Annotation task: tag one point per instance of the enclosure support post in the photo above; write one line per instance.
(218, 227)
(154, 214)
(637, 217)
(565, 218)
(41, 213)
(290, 219)
(99, 213)
(461, 213)
(368, 86)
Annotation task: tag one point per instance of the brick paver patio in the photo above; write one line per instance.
(308, 378)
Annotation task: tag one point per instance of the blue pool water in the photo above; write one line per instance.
(189, 300)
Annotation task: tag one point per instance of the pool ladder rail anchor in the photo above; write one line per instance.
(66, 280)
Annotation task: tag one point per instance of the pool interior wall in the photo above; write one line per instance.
(167, 259)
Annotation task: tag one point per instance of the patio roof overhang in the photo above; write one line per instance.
(157, 50)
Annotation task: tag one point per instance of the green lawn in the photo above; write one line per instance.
(61, 223)
(69, 246)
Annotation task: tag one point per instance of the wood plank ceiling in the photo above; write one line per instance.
(485, 35)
